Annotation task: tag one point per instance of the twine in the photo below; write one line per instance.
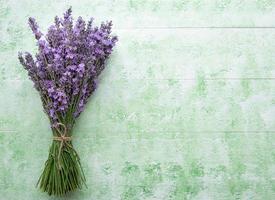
(63, 139)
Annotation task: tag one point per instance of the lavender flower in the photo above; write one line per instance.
(65, 70)
(69, 60)
(35, 28)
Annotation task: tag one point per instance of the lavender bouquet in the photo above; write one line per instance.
(69, 60)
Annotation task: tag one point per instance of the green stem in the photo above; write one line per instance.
(59, 181)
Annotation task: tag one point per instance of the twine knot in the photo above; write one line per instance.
(63, 138)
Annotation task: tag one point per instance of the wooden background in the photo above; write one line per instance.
(184, 110)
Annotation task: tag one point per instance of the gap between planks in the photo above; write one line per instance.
(166, 79)
(193, 27)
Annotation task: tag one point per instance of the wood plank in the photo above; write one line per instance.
(204, 165)
(163, 107)
(152, 13)
(180, 54)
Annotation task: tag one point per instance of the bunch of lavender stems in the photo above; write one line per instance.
(63, 174)
(65, 70)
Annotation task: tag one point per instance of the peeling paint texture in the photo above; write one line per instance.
(184, 110)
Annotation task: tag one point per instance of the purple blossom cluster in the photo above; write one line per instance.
(69, 60)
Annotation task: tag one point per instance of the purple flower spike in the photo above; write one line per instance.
(69, 60)
(35, 28)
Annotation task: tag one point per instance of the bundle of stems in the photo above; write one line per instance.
(69, 60)
(63, 171)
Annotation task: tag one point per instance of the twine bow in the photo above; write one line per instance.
(63, 138)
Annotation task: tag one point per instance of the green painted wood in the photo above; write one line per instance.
(152, 13)
(174, 54)
(160, 107)
(184, 109)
